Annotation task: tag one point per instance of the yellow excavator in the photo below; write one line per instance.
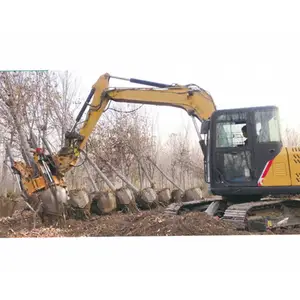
(246, 165)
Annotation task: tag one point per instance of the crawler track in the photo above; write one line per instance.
(238, 213)
(258, 215)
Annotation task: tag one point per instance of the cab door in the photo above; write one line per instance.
(232, 159)
(266, 141)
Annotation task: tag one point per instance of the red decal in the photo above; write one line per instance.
(264, 172)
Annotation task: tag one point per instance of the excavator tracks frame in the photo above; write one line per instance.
(260, 215)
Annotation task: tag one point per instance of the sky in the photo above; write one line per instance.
(249, 69)
(244, 55)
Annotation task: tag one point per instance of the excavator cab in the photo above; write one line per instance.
(241, 143)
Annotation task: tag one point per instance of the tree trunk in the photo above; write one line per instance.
(141, 179)
(23, 140)
(123, 170)
(102, 175)
(123, 200)
(90, 178)
(4, 174)
(164, 174)
(134, 188)
(143, 167)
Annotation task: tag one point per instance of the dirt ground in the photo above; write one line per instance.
(145, 223)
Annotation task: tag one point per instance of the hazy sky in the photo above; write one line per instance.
(244, 55)
(237, 69)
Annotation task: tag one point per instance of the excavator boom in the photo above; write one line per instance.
(194, 100)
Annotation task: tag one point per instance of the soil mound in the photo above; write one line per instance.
(145, 223)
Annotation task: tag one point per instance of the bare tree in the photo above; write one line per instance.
(64, 100)
(118, 135)
(291, 137)
(35, 105)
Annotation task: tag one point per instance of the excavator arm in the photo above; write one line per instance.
(52, 168)
(194, 100)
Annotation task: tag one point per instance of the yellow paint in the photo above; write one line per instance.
(195, 102)
(279, 172)
(294, 159)
(35, 185)
(95, 110)
(25, 171)
(269, 224)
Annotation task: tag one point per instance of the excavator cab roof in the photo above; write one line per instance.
(244, 109)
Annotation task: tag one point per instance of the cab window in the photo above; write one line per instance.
(267, 126)
(229, 130)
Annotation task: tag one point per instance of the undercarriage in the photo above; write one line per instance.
(267, 213)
